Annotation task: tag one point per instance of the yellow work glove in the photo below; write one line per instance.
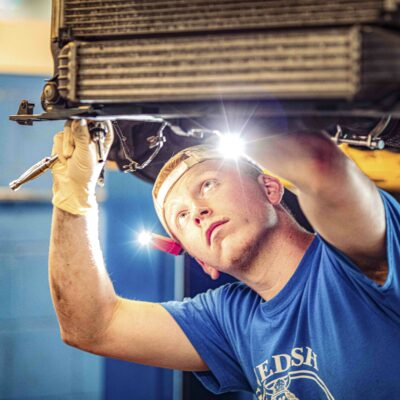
(76, 172)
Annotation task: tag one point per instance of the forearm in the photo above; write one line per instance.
(308, 160)
(83, 295)
(339, 201)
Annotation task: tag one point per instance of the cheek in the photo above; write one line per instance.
(243, 196)
(248, 206)
(192, 244)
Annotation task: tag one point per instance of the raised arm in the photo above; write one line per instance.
(341, 203)
(91, 316)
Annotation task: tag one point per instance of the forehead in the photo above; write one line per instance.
(218, 168)
(189, 179)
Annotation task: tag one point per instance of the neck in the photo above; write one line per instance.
(278, 257)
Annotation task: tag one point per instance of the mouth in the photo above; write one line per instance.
(211, 229)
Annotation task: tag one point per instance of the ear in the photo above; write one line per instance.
(272, 187)
(211, 271)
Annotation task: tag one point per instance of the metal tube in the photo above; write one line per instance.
(33, 172)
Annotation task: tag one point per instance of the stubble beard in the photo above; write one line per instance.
(248, 254)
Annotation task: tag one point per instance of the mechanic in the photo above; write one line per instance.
(314, 316)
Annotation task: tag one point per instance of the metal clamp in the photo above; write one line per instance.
(371, 141)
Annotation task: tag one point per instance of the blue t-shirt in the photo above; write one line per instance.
(330, 333)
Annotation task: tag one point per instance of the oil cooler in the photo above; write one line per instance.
(291, 64)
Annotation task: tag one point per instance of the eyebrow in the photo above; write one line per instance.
(174, 204)
(198, 179)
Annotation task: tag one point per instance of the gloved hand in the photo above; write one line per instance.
(76, 172)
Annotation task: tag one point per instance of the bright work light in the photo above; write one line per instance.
(144, 238)
(163, 243)
(231, 145)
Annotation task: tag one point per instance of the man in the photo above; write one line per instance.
(314, 317)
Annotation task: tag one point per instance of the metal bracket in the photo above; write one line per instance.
(371, 141)
(25, 114)
(155, 142)
(64, 36)
(25, 109)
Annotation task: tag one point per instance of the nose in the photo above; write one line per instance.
(200, 213)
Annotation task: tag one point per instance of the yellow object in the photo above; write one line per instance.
(381, 166)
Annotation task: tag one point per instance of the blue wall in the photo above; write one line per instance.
(22, 146)
(34, 362)
(137, 273)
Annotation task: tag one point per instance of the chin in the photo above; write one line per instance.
(239, 256)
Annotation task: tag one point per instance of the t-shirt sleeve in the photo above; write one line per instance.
(392, 215)
(200, 319)
(391, 286)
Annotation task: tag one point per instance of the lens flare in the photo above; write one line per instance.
(144, 238)
(231, 146)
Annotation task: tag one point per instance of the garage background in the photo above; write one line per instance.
(34, 362)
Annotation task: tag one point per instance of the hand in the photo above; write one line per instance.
(76, 172)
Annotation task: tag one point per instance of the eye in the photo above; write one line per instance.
(208, 185)
(181, 217)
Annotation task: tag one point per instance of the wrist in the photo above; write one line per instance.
(74, 199)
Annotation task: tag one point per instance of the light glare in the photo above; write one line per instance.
(231, 146)
(144, 238)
